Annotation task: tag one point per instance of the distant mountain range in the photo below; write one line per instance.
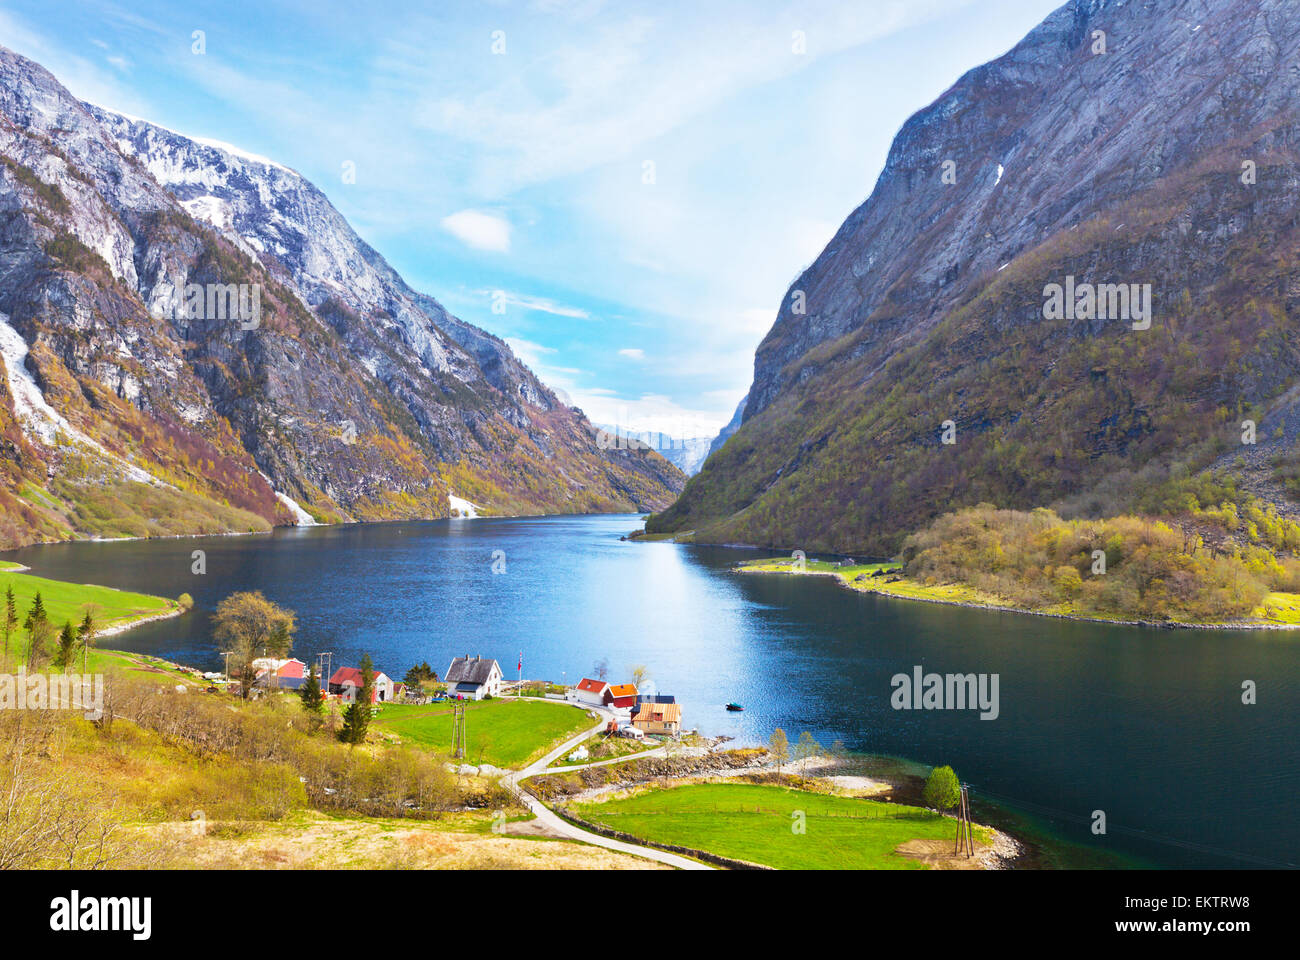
(1122, 155)
(687, 455)
(194, 340)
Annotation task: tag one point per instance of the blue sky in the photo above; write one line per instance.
(642, 181)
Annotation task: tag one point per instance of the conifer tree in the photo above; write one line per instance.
(10, 618)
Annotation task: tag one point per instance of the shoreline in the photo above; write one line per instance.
(303, 526)
(121, 628)
(1002, 608)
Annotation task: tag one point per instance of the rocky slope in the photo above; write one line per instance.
(337, 393)
(1119, 142)
(732, 426)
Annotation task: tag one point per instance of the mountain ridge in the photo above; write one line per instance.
(352, 396)
(926, 308)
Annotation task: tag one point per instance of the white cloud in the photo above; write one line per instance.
(481, 231)
(634, 353)
(539, 304)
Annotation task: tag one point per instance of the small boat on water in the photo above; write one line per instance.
(735, 707)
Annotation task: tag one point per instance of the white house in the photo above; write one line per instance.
(589, 692)
(473, 678)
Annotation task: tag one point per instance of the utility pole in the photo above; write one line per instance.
(965, 839)
(458, 732)
(226, 654)
(322, 659)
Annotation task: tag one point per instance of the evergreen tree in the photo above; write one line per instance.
(356, 718)
(39, 632)
(313, 700)
(10, 618)
(66, 653)
(37, 613)
(86, 638)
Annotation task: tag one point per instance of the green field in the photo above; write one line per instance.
(754, 823)
(67, 602)
(502, 732)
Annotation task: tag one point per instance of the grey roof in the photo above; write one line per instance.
(475, 670)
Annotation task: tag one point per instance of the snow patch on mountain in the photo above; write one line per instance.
(41, 423)
(459, 507)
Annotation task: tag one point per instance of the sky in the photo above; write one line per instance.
(633, 185)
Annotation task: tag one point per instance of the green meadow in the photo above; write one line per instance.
(757, 824)
(502, 732)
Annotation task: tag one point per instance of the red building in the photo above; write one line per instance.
(621, 696)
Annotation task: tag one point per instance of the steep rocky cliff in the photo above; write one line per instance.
(1134, 143)
(305, 382)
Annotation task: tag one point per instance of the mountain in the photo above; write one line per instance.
(195, 340)
(1136, 143)
(687, 455)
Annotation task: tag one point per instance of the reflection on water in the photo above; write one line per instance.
(1146, 725)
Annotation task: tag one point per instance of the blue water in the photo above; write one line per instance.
(1146, 725)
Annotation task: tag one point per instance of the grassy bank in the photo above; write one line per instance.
(112, 610)
(1276, 608)
(760, 824)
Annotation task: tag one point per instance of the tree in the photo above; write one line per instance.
(86, 636)
(66, 652)
(10, 618)
(942, 791)
(252, 626)
(39, 632)
(313, 700)
(805, 750)
(601, 668)
(418, 676)
(640, 674)
(356, 718)
(779, 747)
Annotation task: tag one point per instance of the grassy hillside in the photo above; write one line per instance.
(206, 781)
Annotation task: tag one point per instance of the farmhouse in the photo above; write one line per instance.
(589, 692)
(660, 718)
(473, 678)
(347, 681)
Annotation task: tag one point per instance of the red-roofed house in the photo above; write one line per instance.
(591, 692)
(621, 696)
(347, 681)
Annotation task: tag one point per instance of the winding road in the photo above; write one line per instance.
(562, 827)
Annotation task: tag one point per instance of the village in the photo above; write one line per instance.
(630, 713)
